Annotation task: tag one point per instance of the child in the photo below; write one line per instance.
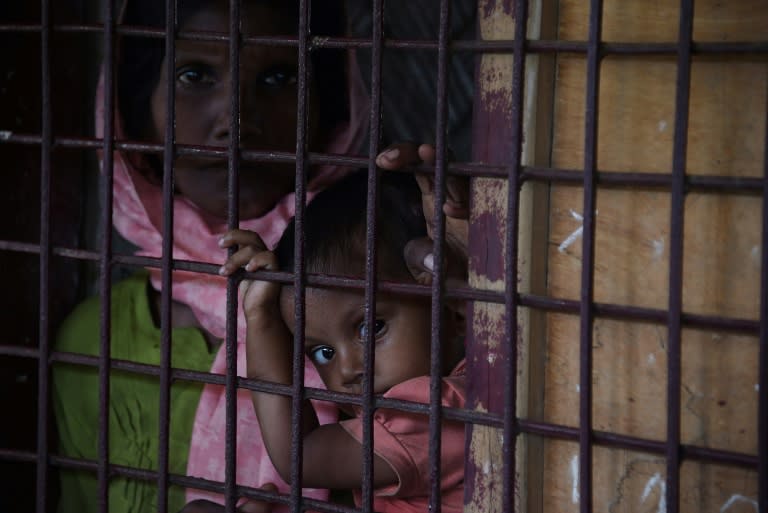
(334, 231)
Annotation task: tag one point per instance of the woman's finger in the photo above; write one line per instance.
(418, 258)
(202, 506)
(252, 506)
(398, 156)
(457, 197)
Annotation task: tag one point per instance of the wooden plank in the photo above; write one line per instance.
(487, 349)
(721, 256)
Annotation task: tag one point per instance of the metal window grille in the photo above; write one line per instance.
(500, 169)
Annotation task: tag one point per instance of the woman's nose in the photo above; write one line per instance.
(247, 113)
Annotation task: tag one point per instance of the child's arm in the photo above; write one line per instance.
(332, 458)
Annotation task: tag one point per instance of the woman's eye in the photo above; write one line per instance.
(322, 355)
(196, 76)
(379, 326)
(279, 78)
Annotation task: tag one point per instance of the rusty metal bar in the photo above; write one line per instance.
(677, 211)
(439, 253)
(371, 259)
(700, 181)
(43, 387)
(550, 304)
(586, 309)
(299, 268)
(233, 202)
(495, 46)
(166, 322)
(556, 431)
(105, 257)
(511, 292)
(762, 412)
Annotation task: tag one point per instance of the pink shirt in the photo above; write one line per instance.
(402, 440)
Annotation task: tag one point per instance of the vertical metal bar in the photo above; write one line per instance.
(438, 251)
(167, 258)
(762, 412)
(105, 259)
(299, 279)
(371, 259)
(586, 310)
(512, 252)
(45, 257)
(677, 211)
(233, 202)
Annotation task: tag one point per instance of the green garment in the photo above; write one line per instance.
(134, 402)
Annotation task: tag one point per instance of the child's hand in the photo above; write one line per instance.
(252, 255)
(418, 254)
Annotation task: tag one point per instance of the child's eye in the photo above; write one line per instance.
(194, 76)
(379, 327)
(279, 78)
(321, 355)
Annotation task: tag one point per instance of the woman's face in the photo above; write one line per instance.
(268, 107)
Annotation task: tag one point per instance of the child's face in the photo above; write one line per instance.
(334, 329)
(268, 107)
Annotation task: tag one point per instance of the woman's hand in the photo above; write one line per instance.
(418, 253)
(251, 506)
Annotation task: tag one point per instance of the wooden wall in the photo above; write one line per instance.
(722, 247)
(722, 252)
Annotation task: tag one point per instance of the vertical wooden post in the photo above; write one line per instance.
(486, 347)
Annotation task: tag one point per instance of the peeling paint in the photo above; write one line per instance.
(573, 237)
(656, 481)
(575, 480)
(491, 262)
(658, 248)
(736, 498)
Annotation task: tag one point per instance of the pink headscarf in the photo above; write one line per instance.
(137, 215)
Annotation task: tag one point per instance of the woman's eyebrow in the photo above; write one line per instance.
(201, 49)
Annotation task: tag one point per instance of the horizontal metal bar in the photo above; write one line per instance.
(485, 46)
(695, 182)
(567, 306)
(551, 431)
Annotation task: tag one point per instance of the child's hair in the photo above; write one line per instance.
(335, 228)
(140, 58)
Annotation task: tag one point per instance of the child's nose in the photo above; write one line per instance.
(351, 368)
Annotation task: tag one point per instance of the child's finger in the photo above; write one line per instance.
(238, 259)
(242, 288)
(263, 260)
(239, 237)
